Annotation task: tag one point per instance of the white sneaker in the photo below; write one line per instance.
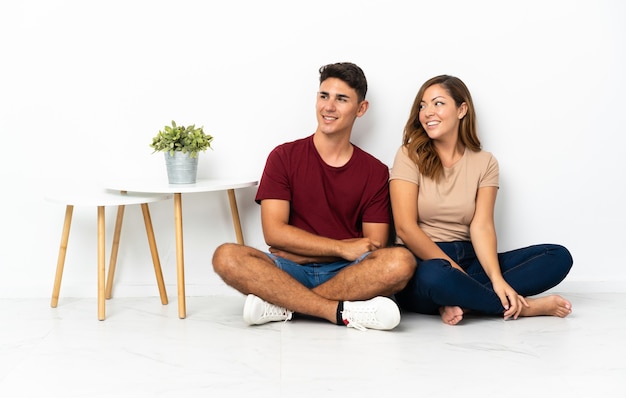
(257, 311)
(380, 313)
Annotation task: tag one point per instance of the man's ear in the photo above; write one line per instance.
(363, 106)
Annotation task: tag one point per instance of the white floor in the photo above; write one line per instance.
(143, 349)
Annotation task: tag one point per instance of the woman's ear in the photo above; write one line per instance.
(462, 111)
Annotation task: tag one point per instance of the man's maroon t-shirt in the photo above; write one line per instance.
(327, 201)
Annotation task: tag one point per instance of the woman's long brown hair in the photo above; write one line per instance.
(420, 146)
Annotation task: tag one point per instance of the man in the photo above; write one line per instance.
(326, 219)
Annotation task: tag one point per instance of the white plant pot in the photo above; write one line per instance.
(181, 168)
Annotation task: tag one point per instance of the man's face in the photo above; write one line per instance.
(337, 107)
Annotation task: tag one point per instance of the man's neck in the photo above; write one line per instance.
(335, 149)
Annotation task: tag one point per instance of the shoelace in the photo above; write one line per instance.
(272, 310)
(356, 318)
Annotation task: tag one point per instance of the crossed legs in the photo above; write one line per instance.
(439, 288)
(250, 271)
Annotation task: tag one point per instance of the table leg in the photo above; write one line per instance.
(153, 250)
(114, 250)
(180, 257)
(234, 211)
(101, 260)
(62, 252)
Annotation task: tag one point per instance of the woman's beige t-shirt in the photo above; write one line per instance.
(445, 209)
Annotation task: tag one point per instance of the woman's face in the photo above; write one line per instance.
(439, 114)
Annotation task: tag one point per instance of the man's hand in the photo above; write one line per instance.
(351, 249)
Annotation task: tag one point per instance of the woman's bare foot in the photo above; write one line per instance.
(451, 314)
(553, 305)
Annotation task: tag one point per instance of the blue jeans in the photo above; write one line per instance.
(530, 270)
(312, 274)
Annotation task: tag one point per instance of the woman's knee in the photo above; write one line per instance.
(562, 257)
(433, 272)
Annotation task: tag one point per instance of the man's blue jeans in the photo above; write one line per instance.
(313, 274)
(530, 271)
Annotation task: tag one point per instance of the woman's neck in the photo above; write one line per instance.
(449, 152)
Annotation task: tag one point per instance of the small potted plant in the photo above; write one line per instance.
(181, 146)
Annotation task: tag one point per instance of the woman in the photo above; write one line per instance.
(443, 192)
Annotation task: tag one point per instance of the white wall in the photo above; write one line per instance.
(86, 85)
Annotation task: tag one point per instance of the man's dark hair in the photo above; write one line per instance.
(349, 73)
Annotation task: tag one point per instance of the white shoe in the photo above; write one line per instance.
(380, 313)
(257, 311)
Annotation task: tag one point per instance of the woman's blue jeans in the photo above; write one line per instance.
(530, 270)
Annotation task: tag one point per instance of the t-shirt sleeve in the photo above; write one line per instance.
(404, 168)
(274, 182)
(492, 173)
(378, 210)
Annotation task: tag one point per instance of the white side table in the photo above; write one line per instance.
(100, 198)
(201, 185)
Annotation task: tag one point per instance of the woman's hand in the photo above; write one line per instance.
(512, 302)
